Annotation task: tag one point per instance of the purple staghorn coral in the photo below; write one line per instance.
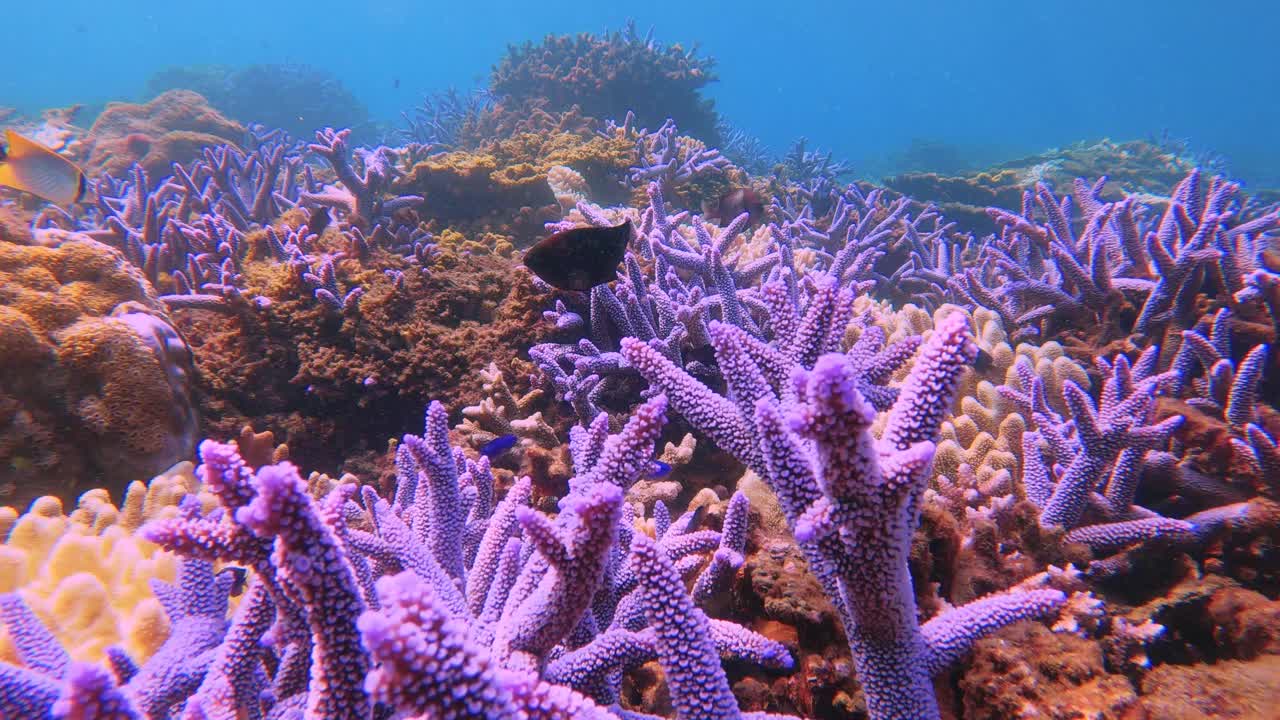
(1048, 264)
(49, 685)
(361, 192)
(427, 663)
(1084, 472)
(361, 610)
(695, 284)
(851, 500)
(190, 233)
(670, 160)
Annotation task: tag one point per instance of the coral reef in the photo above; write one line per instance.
(607, 76)
(996, 445)
(403, 589)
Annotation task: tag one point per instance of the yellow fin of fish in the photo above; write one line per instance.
(33, 168)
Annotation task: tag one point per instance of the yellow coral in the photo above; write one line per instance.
(1054, 367)
(512, 172)
(87, 575)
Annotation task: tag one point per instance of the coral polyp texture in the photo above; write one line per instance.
(97, 386)
(1001, 444)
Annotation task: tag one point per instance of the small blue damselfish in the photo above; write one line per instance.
(498, 445)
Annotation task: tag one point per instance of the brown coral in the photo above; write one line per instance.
(173, 127)
(305, 371)
(1232, 689)
(1027, 671)
(606, 76)
(95, 384)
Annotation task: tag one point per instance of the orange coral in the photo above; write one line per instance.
(94, 388)
(173, 127)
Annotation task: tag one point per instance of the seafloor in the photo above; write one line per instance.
(996, 443)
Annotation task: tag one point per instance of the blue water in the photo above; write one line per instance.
(996, 78)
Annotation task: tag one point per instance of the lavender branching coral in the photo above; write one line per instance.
(443, 601)
(851, 500)
(703, 273)
(1083, 472)
(1122, 257)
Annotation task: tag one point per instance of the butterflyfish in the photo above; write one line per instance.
(30, 167)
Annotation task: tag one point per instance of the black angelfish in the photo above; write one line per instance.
(318, 221)
(581, 258)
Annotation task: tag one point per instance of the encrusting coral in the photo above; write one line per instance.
(484, 186)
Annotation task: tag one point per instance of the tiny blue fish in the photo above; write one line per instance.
(659, 469)
(498, 445)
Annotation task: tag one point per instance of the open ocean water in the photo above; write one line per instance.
(994, 80)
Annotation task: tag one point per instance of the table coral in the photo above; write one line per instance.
(1134, 166)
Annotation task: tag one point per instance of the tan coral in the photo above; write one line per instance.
(500, 413)
(507, 174)
(979, 450)
(95, 388)
(568, 186)
(1051, 363)
(647, 491)
(175, 126)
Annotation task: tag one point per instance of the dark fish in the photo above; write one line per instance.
(318, 221)
(239, 578)
(396, 83)
(580, 258)
(696, 520)
(984, 361)
(498, 445)
(734, 203)
(659, 469)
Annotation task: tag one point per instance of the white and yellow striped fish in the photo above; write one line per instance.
(28, 166)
